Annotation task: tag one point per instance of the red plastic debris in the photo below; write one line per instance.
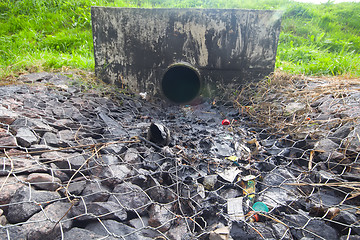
(255, 218)
(225, 122)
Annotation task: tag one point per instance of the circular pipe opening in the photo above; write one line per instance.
(181, 83)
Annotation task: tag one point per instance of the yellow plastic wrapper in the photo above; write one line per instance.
(248, 184)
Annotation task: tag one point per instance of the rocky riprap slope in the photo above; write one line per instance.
(80, 164)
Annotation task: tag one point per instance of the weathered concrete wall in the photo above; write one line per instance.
(135, 46)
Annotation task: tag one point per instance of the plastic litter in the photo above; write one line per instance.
(233, 159)
(235, 209)
(248, 185)
(229, 174)
(260, 207)
(254, 217)
(225, 122)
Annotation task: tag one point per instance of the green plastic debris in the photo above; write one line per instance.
(260, 207)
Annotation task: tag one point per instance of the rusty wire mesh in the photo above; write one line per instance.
(108, 181)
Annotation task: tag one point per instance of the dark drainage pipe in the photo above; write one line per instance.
(181, 83)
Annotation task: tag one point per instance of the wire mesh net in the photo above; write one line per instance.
(83, 163)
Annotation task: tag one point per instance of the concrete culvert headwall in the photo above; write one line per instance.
(224, 48)
(181, 83)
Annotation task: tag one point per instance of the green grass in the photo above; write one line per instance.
(320, 40)
(49, 35)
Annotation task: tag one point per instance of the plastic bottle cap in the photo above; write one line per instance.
(260, 207)
(225, 122)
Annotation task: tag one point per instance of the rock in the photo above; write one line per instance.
(205, 144)
(275, 192)
(131, 196)
(132, 156)
(167, 152)
(348, 219)
(354, 175)
(158, 134)
(9, 187)
(41, 126)
(302, 226)
(354, 140)
(325, 176)
(159, 193)
(180, 231)
(110, 159)
(76, 186)
(58, 173)
(143, 226)
(114, 148)
(42, 224)
(63, 112)
(66, 135)
(118, 173)
(44, 181)
(8, 141)
(265, 166)
(3, 219)
(327, 150)
(114, 227)
(7, 116)
(75, 160)
(281, 231)
(200, 190)
(341, 133)
(239, 230)
(21, 122)
(35, 77)
(128, 185)
(4, 133)
(22, 163)
(320, 211)
(101, 210)
(350, 237)
(161, 217)
(264, 229)
(115, 174)
(326, 198)
(40, 148)
(95, 192)
(153, 161)
(62, 124)
(25, 203)
(25, 137)
(12, 232)
(113, 126)
(53, 156)
(50, 139)
(81, 234)
(65, 161)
